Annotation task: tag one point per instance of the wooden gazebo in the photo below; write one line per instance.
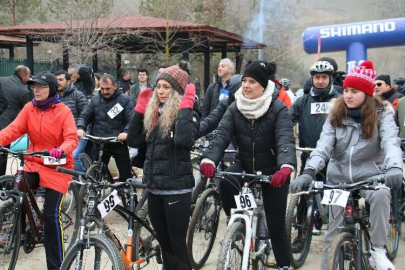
(210, 39)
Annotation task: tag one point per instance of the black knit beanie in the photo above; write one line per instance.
(261, 71)
(385, 78)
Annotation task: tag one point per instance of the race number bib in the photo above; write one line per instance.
(108, 204)
(115, 110)
(320, 108)
(335, 197)
(245, 201)
(53, 161)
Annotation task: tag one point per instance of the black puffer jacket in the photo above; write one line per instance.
(16, 94)
(310, 125)
(96, 113)
(75, 100)
(167, 165)
(85, 83)
(211, 97)
(263, 144)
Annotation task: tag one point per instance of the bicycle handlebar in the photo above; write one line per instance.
(100, 139)
(258, 175)
(368, 184)
(27, 154)
(304, 149)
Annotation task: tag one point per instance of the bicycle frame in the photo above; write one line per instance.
(250, 217)
(29, 203)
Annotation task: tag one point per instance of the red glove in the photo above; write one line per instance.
(207, 168)
(280, 177)
(56, 153)
(188, 98)
(143, 99)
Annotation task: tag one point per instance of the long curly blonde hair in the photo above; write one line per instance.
(168, 116)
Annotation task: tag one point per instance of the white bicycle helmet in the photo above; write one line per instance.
(321, 67)
(286, 82)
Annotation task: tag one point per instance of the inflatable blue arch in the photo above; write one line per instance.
(355, 38)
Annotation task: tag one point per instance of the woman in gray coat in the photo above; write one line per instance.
(360, 140)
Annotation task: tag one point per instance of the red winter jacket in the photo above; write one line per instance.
(54, 127)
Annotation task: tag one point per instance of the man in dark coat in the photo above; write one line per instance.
(16, 93)
(219, 89)
(110, 112)
(142, 84)
(124, 82)
(82, 79)
(76, 102)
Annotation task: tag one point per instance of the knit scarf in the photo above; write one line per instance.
(45, 104)
(253, 109)
(354, 114)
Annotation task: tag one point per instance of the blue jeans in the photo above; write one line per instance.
(76, 152)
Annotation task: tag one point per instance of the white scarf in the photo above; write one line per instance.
(253, 109)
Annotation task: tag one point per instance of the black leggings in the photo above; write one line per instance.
(275, 205)
(53, 232)
(169, 215)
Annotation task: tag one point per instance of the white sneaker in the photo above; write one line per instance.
(379, 259)
(315, 231)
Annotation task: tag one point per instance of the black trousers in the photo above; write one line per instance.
(275, 205)
(170, 215)
(3, 162)
(121, 155)
(53, 230)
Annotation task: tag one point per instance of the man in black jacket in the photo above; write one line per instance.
(382, 88)
(82, 79)
(15, 92)
(218, 90)
(124, 82)
(110, 112)
(76, 102)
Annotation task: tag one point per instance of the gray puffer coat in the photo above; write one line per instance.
(353, 158)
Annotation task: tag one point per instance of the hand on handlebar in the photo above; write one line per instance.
(122, 137)
(80, 133)
(207, 168)
(393, 178)
(300, 182)
(56, 153)
(280, 177)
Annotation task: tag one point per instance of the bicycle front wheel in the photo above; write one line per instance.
(394, 225)
(299, 229)
(101, 253)
(231, 252)
(203, 228)
(85, 160)
(10, 234)
(342, 253)
(146, 246)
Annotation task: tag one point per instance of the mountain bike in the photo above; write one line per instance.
(204, 221)
(16, 196)
(246, 240)
(104, 248)
(350, 249)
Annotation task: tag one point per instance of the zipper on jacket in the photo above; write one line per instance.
(350, 164)
(253, 145)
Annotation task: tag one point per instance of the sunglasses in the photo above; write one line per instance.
(377, 84)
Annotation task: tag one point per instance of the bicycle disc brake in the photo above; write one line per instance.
(29, 243)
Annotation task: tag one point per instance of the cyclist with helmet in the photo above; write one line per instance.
(310, 111)
(287, 88)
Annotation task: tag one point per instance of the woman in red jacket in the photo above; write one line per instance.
(50, 126)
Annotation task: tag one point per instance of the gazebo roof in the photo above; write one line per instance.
(139, 25)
